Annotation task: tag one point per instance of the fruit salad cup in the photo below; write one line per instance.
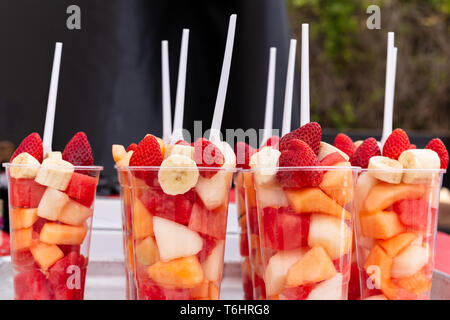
(50, 210)
(306, 232)
(179, 217)
(396, 225)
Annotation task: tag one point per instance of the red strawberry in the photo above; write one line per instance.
(297, 153)
(132, 147)
(147, 153)
(182, 142)
(345, 144)
(438, 146)
(206, 154)
(412, 146)
(331, 159)
(271, 142)
(243, 154)
(311, 133)
(78, 151)
(31, 285)
(365, 151)
(396, 143)
(32, 144)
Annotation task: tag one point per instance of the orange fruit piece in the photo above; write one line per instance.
(142, 220)
(383, 195)
(21, 239)
(396, 244)
(54, 233)
(23, 218)
(46, 255)
(381, 224)
(418, 283)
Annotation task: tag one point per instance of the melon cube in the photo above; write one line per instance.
(147, 251)
(51, 204)
(142, 221)
(21, 239)
(396, 244)
(54, 233)
(383, 195)
(201, 291)
(338, 184)
(409, 261)
(23, 218)
(214, 191)
(82, 188)
(74, 213)
(331, 289)
(213, 291)
(46, 255)
(381, 224)
(213, 265)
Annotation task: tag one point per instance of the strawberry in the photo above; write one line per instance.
(331, 159)
(311, 133)
(206, 154)
(412, 146)
(438, 146)
(132, 147)
(78, 151)
(297, 153)
(364, 152)
(147, 153)
(243, 154)
(271, 142)
(396, 143)
(32, 144)
(345, 144)
(182, 142)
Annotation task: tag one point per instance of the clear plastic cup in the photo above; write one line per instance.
(50, 227)
(179, 240)
(396, 227)
(306, 233)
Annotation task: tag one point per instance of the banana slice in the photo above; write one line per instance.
(326, 149)
(266, 161)
(54, 154)
(419, 159)
(178, 174)
(386, 169)
(55, 173)
(172, 149)
(28, 169)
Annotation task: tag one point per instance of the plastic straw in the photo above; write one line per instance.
(289, 89)
(167, 113)
(389, 89)
(304, 83)
(270, 95)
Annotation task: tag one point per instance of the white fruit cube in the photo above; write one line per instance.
(409, 261)
(51, 204)
(271, 196)
(330, 289)
(26, 167)
(213, 265)
(55, 173)
(74, 213)
(214, 191)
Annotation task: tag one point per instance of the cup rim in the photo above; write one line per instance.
(305, 168)
(426, 170)
(11, 165)
(137, 168)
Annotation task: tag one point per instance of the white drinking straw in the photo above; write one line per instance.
(181, 88)
(167, 113)
(389, 89)
(304, 83)
(51, 103)
(289, 89)
(223, 84)
(270, 95)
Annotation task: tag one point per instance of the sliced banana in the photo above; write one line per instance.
(265, 161)
(178, 174)
(326, 149)
(419, 159)
(54, 155)
(180, 149)
(386, 169)
(55, 173)
(28, 166)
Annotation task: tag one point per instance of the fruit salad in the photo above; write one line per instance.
(304, 195)
(397, 201)
(179, 207)
(51, 203)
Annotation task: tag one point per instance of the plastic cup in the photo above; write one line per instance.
(179, 240)
(396, 227)
(306, 233)
(50, 227)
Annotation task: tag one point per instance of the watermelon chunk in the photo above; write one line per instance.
(31, 285)
(82, 188)
(25, 193)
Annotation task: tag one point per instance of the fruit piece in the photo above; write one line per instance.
(148, 153)
(228, 154)
(416, 214)
(243, 154)
(125, 161)
(82, 188)
(25, 193)
(180, 149)
(177, 174)
(132, 147)
(175, 240)
(55, 173)
(381, 224)
(383, 195)
(418, 283)
(142, 220)
(78, 151)
(181, 273)
(296, 293)
(396, 244)
(338, 184)
(51, 204)
(284, 231)
(207, 155)
(438, 146)
(378, 267)
(213, 265)
(386, 169)
(277, 267)
(32, 144)
(183, 143)
(25, 166)
(54, 155)
(377, 297)
(21, 239)
(213, 292)
(118, 152)
(332, 159)
(354, 287)
(214, 191)
(271, 142)
(211, 223)
(46, 255)
(243, 244)
(327, 149)
(395, 144)
(409, 261)
(345, 144)
(419, 159)
(311, 133)
(357, 144)
(331, 289)
(31, 285)
(314, 266)
(22, 218)
(265, 163)
(74, 213)
(162, 146)
(330, 233)
(271, 196)
(315, 200)
(209, 243)
(201, 291)
(147, 252)
(364, 184)
(53, 233)
(368, 149)
(297, 153)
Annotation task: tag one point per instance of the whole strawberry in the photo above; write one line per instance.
(297, 153)
(243, 153)
(78, 151)
(206, 154)
(438, 146)
(364, 152)
(396, 143)
(311, 133)
(344, 143)
(32, 144)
